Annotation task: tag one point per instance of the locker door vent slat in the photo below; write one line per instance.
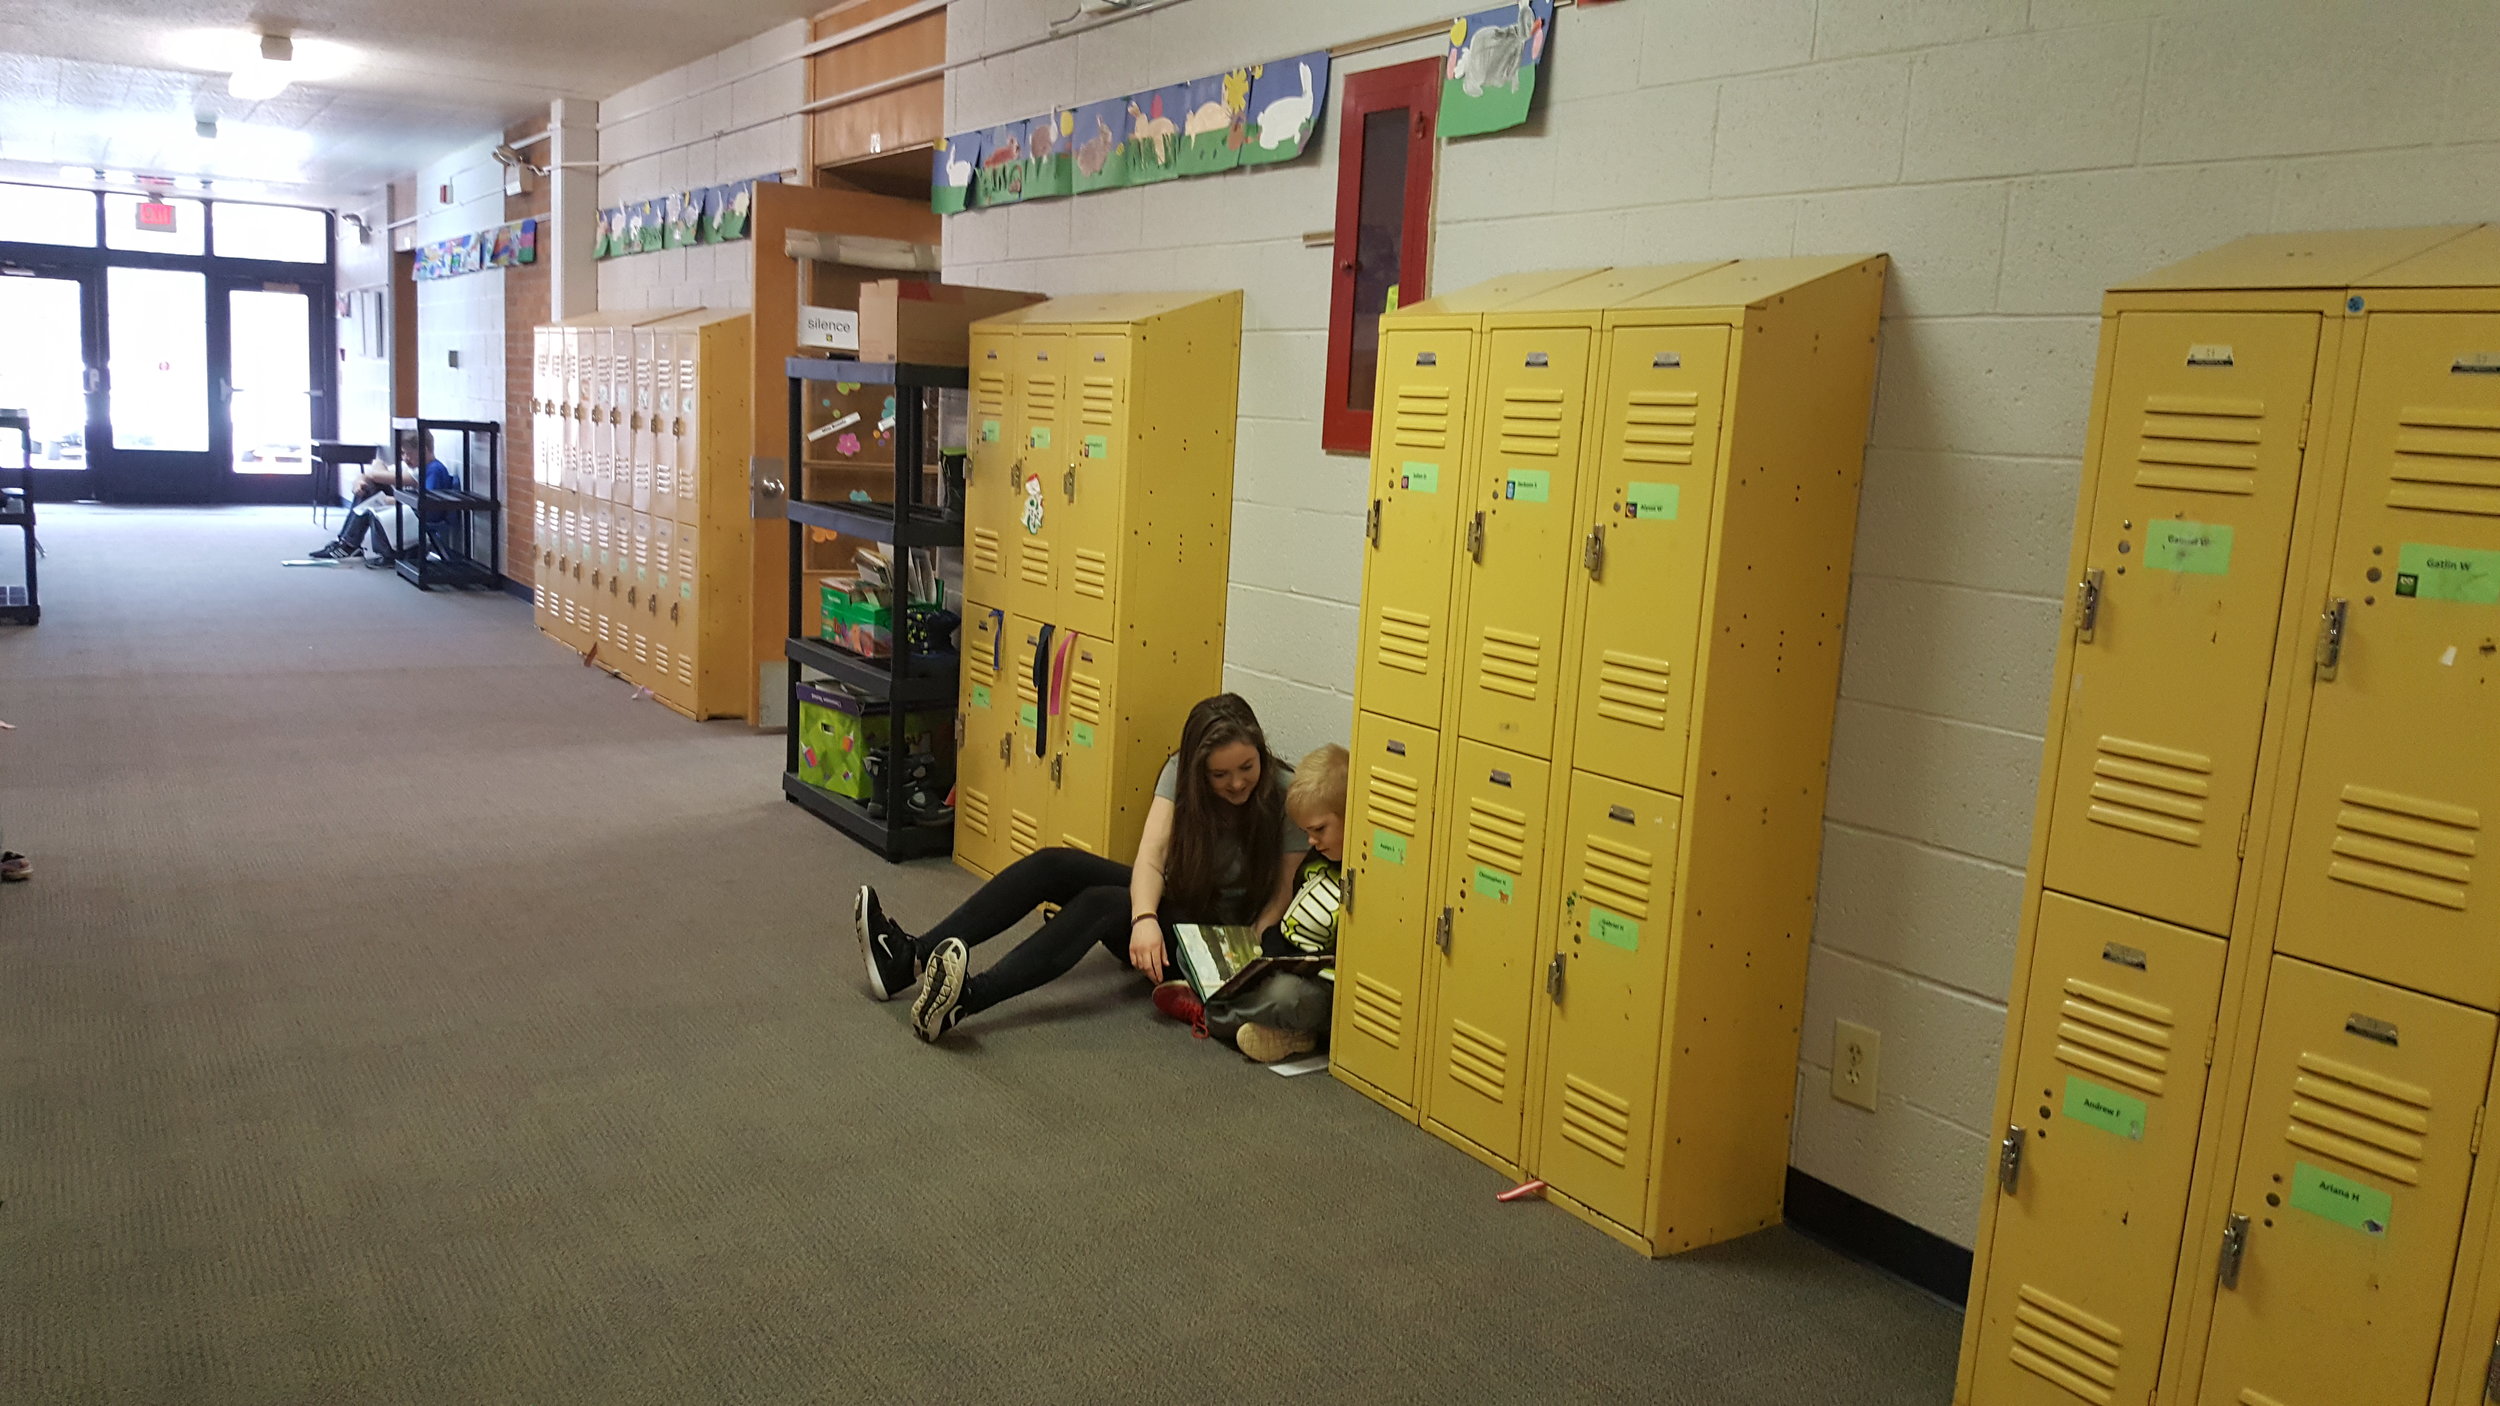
(1404, 640)
(972, 810)
(1024, 832)
(1497, 836)
(1085, 698)
(2200, 444)
(1479, 1061)
(985, 553)
(1532, 423)
(2405, 846)
(1596, 1121)
(2073, 1349)
(990, 393)
(1379, 1012)
(1510, 662)
(1395, 799)
(1632, 688)
(2359, 1117)
(1091, 573)
(1422, 418)
(1033, 562)
(1101, 401)
(2115, 1036)
(1041, 398)
(1617, 876)
(1658, 426)
(2150, 789)
(2447, 461)
(977, 662)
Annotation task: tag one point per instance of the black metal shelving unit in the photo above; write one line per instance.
(21, 605)
(909, 678)
(452, 558)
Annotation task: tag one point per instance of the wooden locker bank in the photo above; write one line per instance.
(1608, 560)
(2248, 1061)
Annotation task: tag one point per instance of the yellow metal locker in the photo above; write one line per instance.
(1042, 359)
(1391, 838)
(1093, 487)
(698, 499)
(666, 371)
(2344, 1216)
(1028, 777)
(2401, 772)
(1492, 897)
(1519, 534)
(1418, 486)
(994, 496)
(1086, 795)
(643, 418)
(2191, 523)
(985, 743)
(1645, 542)
(2092, 1176)
(1605, 986)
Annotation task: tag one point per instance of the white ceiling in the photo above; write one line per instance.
(102, 83)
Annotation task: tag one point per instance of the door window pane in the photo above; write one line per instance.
(272, 359)
(121, 227)
(43, 368)
(272, 232)
(48, 215)
(156, 322)
(1380, 234)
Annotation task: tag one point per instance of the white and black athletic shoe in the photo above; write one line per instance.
(886, 947)
(941, 990)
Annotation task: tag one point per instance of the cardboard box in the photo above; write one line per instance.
(919, 320)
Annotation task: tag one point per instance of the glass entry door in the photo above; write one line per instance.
(48, 368)
(159, 439)
(272, 402)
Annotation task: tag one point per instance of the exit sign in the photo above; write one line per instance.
(156, 215)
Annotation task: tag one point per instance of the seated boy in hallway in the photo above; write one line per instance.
(363, 511)
(1287, 1014)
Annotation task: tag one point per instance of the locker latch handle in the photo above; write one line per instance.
(2234, 1249)
(1055, 764)
(1371, 523)
(2491, 1373)
(1475, 538)
(2331, 639)
(1067, 483)
(2087, 604)
(1441, 933)
(2010, 1160)
(1003, 745)
(1554, 979)
(1593, 552)
(1345, 894)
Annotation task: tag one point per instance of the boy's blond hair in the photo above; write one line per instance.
(1318, 785)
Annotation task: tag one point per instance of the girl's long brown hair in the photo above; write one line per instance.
(1206, 829)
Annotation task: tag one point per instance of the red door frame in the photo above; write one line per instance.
(1415, 86)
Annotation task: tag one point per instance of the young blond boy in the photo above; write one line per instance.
(1287, 1014)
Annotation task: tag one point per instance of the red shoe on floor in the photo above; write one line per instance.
(1175, 999)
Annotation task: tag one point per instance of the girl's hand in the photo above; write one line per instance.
(1145, 947)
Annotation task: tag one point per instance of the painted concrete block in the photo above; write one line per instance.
(1685, 39)
(1954, 785)
(1976, 656)
(2069, 237)
(1990, 523)
(1986, 385)
(1818, 128)
(2043, 102)
(1945, 240)
(1947, 917)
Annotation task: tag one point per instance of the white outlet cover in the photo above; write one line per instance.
(1854, 1077)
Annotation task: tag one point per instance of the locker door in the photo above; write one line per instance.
(664, 426)
(1646, 542)
(1485, 971)
(1081, 751)
(1042, 456)
(2353, 1181)
(1028, 774)
(1417, 487)
(1095, 483)
(2111, 1085)
(1390, 839)
(1607, 983)
(688, 427)
(983, 759)
(1520, 534)
(604, 592)
(2402, 763)
(994, 501)
(542, 588)
(685, 613)
(637, 590)
(642, 415)
(602, 440)
(2190, 526)
(657, 599)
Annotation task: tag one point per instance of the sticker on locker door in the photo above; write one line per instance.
(2202, 548)
(1388, 848)
(1027, 715)
(1614, 929)
(1493, 883)
(1416, 476)
(2459, 574)
(1097, 446)
(1041, 437)
(980, 695)
(2342, 1200)
(989, 432)
(1082, 734)
(1655, 502)
(1528, 485)
(2100, 1106)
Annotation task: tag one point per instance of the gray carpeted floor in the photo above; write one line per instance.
(401, 1012)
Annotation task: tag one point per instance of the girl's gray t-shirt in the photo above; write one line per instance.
(1233, 892)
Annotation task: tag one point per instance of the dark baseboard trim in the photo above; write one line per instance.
(515, 588)
(1853, 1227)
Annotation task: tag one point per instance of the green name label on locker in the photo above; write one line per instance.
(980, 696)
(1082, 734)
(1527, 485)
(1651, 500)
(989, 432)
(2340, 1199)
(1388, 848)
(1029, 716)
(1493, 883)
(1614, 930)
(2105, 1108)
(2199, 548)
(1041, 436)
(686, 589)
(2460, 574)
(1097, 446)
(1416, 476)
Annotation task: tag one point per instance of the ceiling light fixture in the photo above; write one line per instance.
(266, 75)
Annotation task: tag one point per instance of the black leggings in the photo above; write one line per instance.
(1092, 894)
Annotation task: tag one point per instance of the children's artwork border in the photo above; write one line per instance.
(1488, 77)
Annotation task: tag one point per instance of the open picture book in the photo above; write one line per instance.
(1224, 961)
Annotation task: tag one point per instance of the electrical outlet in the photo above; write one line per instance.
(1857, 1053)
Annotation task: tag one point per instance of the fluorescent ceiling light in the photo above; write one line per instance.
(258, 81)
(261, 65)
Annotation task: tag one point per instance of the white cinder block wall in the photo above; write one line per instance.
(464, 314)
(665, 134)
(2013, 156)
